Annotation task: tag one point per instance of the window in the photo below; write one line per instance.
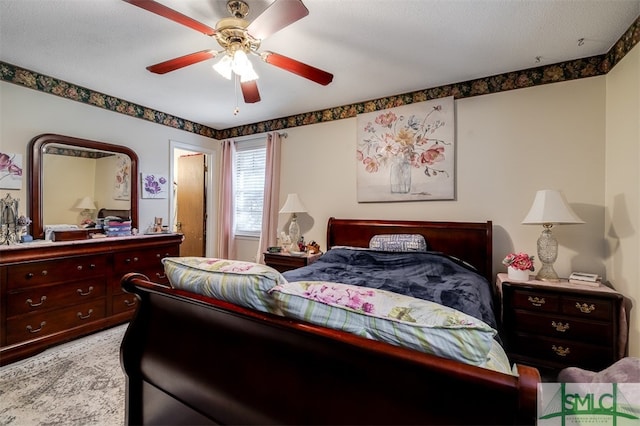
(251, 157)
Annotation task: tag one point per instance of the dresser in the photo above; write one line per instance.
(558, 325)
(52, 292)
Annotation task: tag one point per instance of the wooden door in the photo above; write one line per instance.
(190, 205)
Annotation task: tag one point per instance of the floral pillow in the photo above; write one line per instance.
(398, 242)
(243, 283)
(388, 317)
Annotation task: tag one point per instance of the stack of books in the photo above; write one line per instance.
(584, 278)
(115, 228)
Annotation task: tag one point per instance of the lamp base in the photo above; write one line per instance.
(547, 273)
(547, 253)
(294, 234)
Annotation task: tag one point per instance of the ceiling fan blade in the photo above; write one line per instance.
(296, 67)
(278, 15)
(166, 12)
(182, 61)
(250, 92)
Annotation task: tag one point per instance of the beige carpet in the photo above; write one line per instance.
(77, 383)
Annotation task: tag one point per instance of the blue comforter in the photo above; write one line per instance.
(425, 275)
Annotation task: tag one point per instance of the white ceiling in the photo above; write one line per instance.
(374, 48)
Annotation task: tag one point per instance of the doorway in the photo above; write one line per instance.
(191, 201)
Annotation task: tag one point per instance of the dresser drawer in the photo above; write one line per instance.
(155, 274)
(586, 307)
(32, 326)
(563, 327)
(141, 260)
(535, 301)
(562, 353)
(124, 302)
(50, 297)
(52, 271)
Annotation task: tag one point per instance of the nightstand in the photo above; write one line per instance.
(558, 325)
(283, 262)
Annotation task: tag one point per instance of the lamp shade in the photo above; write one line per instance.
(550, 206)
(85, 203)
(293, 205)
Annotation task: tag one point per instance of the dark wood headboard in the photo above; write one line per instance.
(469, 241)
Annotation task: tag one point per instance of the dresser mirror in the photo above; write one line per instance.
(65, 172)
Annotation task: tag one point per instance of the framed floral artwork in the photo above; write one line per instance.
(122, 183)
(10, 171)
(154, 185)
(407, 153)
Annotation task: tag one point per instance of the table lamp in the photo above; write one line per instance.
(87, 205)
(293, 205)
(549, 208)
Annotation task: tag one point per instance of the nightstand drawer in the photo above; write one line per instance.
(283, 262)
(586, 307)
(562, 352)
(536, 301)
(563, 327)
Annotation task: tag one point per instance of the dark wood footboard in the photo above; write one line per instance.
(190, 359)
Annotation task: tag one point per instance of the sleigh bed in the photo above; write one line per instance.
(280, 351)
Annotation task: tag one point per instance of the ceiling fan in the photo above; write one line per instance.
(238, 39)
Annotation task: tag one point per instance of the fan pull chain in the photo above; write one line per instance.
(236, 110)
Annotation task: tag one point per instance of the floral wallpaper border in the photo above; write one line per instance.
(72, 152)
(564, 71)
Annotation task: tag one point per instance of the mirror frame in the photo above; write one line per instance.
(36, 174)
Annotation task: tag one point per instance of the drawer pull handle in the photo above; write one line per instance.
(560, 326)
(560, 351)
(130, 302)
(79, 267)
(84, 317)
(36, 330)
(536, 301)
(92, 266)
(584, 308)
(81, 293)
(31, 274)
(33, 305)
(135, 259)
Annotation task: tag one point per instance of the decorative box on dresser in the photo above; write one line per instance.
(52, 292)
(555, 325)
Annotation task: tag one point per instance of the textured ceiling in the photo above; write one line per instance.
(374, 48)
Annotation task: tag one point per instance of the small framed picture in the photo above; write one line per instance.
(10, 171)
(154, 185)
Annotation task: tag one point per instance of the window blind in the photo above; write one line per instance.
(249, 187)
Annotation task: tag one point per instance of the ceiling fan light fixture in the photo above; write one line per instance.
(224, 67)
(240, 63)
(249, 75)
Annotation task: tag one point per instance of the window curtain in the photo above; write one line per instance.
(226, 244)
(270, 205)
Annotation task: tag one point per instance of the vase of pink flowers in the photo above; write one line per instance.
(518, 266)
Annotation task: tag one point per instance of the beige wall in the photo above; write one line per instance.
(622, 193)
(509, 145)
(26, 113)
(74, 179)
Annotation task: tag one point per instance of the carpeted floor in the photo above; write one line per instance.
(77, 383)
